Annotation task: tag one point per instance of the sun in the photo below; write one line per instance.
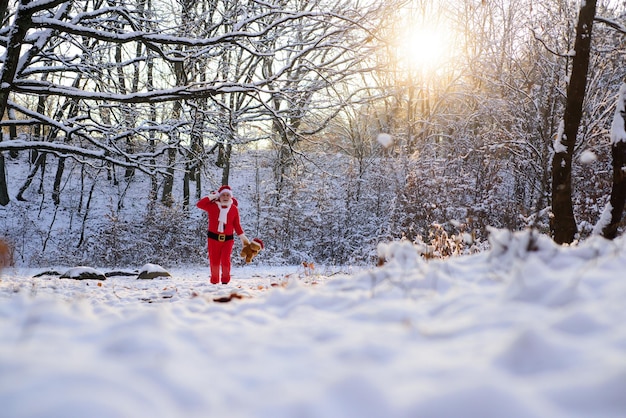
(422, 47)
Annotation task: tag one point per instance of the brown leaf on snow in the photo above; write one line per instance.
(228, 298)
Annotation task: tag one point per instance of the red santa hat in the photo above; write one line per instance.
(225, 189)
(258, 240)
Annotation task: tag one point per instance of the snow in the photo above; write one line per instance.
(81, 272)
(385, 140)
(618, 128)
(558, 145)
(588, 157)
(605, 219)
(526, 329)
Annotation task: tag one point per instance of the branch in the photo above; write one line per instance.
(192, 91)
(550, 50)
(64, 151)
(611, 23)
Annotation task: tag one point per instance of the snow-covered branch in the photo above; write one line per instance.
(88, 156)
(612, 23)
(138, 88)
(187, 92)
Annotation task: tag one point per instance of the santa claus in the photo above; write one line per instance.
(224, 223)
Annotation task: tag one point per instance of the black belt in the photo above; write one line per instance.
(219, 237)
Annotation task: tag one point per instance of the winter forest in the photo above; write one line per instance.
(338, 124)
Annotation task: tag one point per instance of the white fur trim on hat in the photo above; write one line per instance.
(225, 189)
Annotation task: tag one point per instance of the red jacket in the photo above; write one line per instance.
(232, 218)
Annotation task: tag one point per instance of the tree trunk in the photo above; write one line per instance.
(127, 110)
(4, 190)
(618, 151)
(12, 134)
(168, 182)
(618, 193)
(39, 165)
(154, 184)
(186, 188)
(563, 223)
(226, 167)
(56, 189)
(7, 73)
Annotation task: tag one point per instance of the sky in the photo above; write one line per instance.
(509, 332)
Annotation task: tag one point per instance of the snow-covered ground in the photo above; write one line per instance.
(508, 333)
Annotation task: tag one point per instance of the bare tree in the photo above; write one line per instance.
(563, 223)
(118, 117)
(304, 94)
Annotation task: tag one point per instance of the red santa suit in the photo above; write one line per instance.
(223, 224)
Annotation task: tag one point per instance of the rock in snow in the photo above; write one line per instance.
(151, 271)
(83, 273)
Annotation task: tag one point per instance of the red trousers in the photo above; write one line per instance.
(219, 256)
